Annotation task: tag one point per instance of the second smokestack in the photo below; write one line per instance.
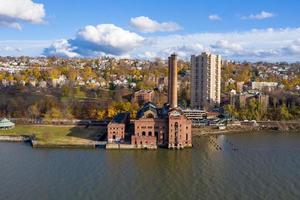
(172, 85)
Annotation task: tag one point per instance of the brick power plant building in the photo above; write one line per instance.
(155, 127)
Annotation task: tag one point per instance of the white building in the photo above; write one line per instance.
(264, 86)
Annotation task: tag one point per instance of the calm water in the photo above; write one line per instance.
(264, 167)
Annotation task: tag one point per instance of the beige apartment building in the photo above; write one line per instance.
(205, 81)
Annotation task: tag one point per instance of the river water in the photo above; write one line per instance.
(247, 167)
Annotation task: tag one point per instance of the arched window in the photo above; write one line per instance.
(150, 116)
(143, 133)
(150, 133)
(176, 133)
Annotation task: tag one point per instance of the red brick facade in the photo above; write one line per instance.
(173, 131)
(143, 96)
(149, 130)
(115, 132)
(116, 129)
(180, 130)
(148, 142)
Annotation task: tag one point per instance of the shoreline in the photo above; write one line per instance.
(197, 132)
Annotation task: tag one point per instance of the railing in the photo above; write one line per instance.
(79, 122)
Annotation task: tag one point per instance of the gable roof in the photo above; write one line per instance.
(151, 107)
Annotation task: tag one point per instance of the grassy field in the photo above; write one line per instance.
(58, 135)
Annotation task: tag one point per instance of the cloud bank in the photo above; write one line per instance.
(14, 12)
(108, 39)
(254, 45)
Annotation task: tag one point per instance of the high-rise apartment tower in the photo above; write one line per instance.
(205, 81)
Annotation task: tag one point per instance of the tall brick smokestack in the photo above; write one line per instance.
(172, 84)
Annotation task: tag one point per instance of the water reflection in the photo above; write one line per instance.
(264, 167)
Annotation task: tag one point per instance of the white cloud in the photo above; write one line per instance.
(184, 51)
(103, 39)
(260, 16)
(9, 49)
(13, 25)
(147, 25)
(214, 17)
(224, 44)
(14, 12)
(61, 48)
(23, 47)
(293, 48)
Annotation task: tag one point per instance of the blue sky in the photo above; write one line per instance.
(237, 29)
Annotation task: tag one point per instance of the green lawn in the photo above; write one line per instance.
(57, 134)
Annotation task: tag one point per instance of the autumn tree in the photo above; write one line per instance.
(34, 111)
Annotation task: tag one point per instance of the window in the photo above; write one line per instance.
(187, 137)
(150, 115)
(143, 133)
(150, 133)
(176, 126)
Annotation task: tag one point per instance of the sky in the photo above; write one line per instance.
(253, 30)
